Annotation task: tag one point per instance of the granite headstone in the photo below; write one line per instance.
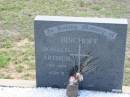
(57, 38)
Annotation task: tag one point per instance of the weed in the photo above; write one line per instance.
(4, 60)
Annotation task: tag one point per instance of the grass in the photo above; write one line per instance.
(127, 78)
(5, 43)
(19, 68)
(17, 15)
(16, 29)
(4, 60)
(127, 74)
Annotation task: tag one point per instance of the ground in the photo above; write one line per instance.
(17, 59)
(51, 92)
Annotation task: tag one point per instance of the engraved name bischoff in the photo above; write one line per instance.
(69, 39)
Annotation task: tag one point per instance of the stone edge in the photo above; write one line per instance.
(82, 19)
(32, 84)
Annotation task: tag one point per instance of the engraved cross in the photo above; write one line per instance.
(79, 55)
